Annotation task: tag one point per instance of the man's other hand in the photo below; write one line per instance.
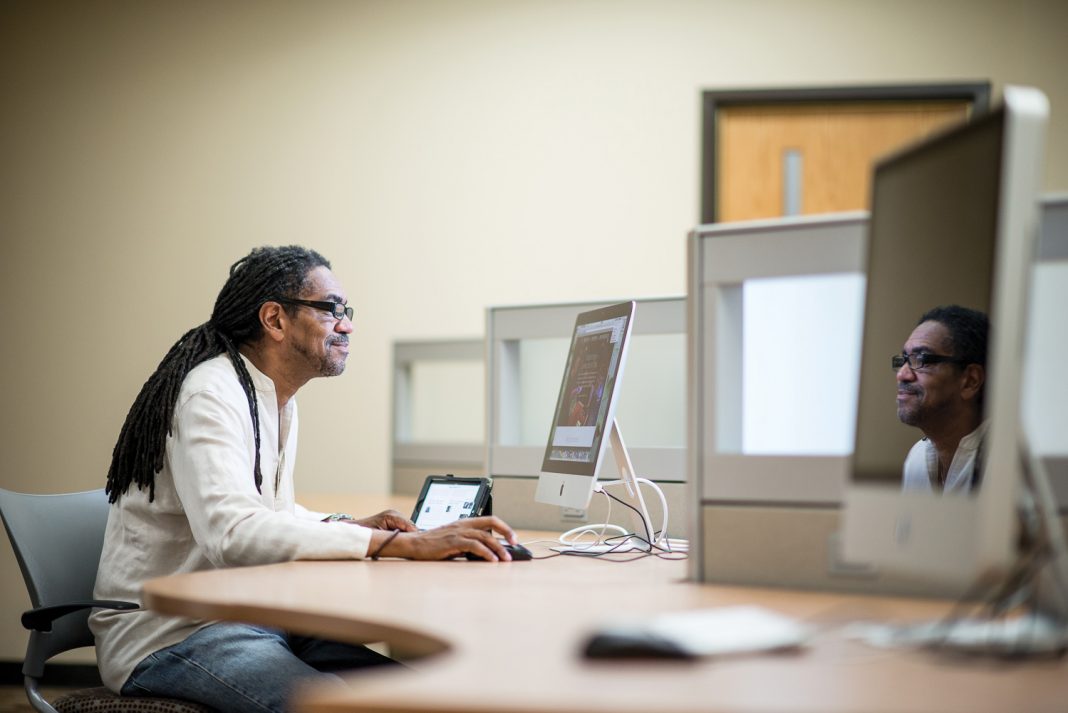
(386, 520)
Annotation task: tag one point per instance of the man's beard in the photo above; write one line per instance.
(911, 415)
(328, 364)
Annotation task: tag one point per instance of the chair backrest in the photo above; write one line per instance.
(57, 540)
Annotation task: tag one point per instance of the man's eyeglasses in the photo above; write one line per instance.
(335, 308)
(922, 360)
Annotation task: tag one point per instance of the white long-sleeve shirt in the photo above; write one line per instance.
(920, 471)
(207, 513)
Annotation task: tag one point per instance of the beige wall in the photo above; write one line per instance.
(445, 155)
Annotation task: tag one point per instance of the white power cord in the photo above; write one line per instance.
(572, 537)
(663, 506)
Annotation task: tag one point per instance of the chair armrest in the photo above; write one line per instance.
(41, 618)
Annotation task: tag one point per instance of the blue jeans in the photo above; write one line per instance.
(239, 667)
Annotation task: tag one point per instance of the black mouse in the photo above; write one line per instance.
(518, 552)
(621, 643)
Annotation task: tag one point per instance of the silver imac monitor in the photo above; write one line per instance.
(584, 419)
(953, 222)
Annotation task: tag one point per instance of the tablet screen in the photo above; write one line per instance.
(446, 502)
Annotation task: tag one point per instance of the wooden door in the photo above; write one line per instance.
(803, 151)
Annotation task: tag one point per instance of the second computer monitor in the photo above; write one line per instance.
(953, 222)
(585, 407)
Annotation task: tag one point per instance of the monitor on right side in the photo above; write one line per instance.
(953, 223)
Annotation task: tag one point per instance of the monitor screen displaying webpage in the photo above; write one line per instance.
(585, 406)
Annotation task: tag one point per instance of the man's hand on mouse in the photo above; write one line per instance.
(474, 535)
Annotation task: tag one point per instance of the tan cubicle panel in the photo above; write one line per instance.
(765, 518)
(526, 352)
(438, 413)
(773, 520)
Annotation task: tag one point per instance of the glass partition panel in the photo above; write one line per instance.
(775, 313)
(1045, 386)
(800, 364)
(528, 349)
(541, 365)
(447, 401)
(652, 403)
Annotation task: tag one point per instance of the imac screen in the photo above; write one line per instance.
(952, 235)
(932, 241)
(584, 407)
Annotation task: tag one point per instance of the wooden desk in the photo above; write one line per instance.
(507, 637)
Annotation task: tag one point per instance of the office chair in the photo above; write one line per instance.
(57, 540)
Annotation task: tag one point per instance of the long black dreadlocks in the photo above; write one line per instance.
(264, 274)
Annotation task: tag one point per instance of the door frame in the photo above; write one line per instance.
(712, 100)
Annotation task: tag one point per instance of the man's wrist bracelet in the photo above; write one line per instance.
(378, 550)
(338, 516)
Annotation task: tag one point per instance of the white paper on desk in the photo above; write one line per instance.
(730, 630)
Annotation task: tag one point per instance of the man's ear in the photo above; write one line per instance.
(274, 320)
(972, 380)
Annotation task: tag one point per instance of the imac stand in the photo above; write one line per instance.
(1038, 580)
(1023, 613)
(643, 536)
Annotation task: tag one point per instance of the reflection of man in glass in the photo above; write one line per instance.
(940, 378)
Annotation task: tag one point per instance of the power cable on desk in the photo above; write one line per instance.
(652, 545)
(601, 544)
(624, 540)
(618, 549)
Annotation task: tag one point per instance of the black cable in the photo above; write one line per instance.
(656, 534)
(641, 518)
(652, 545)
(663, 553)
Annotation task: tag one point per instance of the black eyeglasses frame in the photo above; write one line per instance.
(920, 361)
(338, 310)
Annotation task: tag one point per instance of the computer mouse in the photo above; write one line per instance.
(614, 643)
(518, 552)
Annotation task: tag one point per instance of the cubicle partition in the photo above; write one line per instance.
(1045, 384)
(768, 379)
(775, 315)
(775, 321)
(438, 410)
(526, 353)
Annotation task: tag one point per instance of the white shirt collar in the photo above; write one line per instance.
(261, 381)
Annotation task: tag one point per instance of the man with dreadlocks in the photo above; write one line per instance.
(202, 477)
